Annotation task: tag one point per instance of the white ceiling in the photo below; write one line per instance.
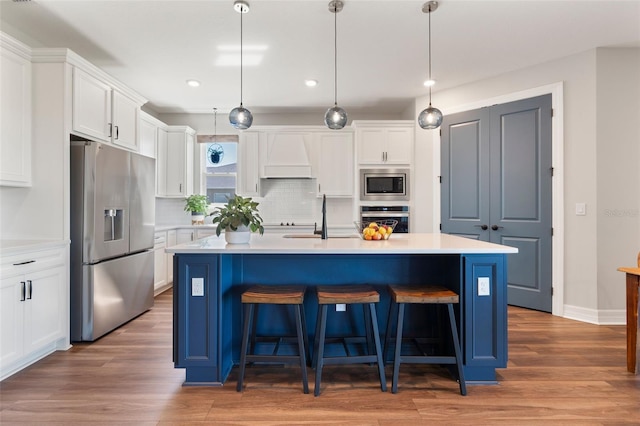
(154, 46)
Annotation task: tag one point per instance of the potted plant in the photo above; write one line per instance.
(197, 205)
(238, 218)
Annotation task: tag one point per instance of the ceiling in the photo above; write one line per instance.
(154, 46)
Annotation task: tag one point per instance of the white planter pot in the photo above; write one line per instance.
(197, 218)
(241, 236)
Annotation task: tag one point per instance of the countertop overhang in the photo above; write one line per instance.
(413, 243)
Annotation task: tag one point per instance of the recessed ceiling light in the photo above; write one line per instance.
(311, 83)
(193, 83)
(428, 83)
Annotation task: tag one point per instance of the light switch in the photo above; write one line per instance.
(581, 209)
(484, 288)
(341, 307)
(197, 286)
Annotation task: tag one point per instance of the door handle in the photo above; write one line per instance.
(496, 227)
(30, 289)
(110, 129)
(483, 227)
(117, 132)
(23, 291)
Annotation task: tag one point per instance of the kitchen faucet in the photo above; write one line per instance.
(324, 217)
(323, 230)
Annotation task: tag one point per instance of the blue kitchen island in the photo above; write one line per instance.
(210, 275)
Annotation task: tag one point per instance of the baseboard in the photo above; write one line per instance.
(595, 316)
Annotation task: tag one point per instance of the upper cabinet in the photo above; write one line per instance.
(385, 142)
(333, 162)
(174, 162)
(248, 177)
(103, 112)
(148, 132)
(15, 113)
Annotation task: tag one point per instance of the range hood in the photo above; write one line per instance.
(286, 155)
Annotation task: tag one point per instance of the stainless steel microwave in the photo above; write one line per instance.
(384, 184)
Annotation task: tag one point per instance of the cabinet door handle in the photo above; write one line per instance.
(256, 187)
(117, 132)
(319, 190)
(30, 293)
(496, 227)
(180, 188)
(23, 291)
(24, 263)
(483, 227)
(110, 129)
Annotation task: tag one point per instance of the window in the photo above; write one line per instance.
(220, 166)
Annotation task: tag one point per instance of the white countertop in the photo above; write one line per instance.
(412, 243)
(19, 246)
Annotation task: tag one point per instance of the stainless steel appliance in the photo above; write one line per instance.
(384, 184)
(378, 213)
(112, 230)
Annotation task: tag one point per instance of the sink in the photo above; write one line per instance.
(318, 236)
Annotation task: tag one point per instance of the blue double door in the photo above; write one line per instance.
(496, 186)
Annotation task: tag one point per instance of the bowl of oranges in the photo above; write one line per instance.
(375, 231)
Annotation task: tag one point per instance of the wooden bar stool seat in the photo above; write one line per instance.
(348, 295)
(273, 295)
(436, 295)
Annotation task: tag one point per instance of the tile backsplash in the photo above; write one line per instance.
(282, 200)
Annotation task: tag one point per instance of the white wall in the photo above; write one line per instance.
(586, 175)
(617, 171)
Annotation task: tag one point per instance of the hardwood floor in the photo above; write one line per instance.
(560, 372)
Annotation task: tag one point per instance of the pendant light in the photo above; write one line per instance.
(430, 118)
(335, 118)
(240, 117)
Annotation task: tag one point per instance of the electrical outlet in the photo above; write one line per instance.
(484, 288)
(341, 307)
(197, 286)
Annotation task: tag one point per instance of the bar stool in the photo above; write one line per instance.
(348, 295)
(401, 295)
(273, 295)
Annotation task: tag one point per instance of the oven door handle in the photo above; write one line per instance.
(384, 215)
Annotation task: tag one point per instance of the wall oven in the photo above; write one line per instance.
(378, 213)
(384, 184)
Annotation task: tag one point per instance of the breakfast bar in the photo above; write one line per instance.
(210, 276)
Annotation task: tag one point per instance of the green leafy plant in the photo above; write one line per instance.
(237, 212)
(196, 204)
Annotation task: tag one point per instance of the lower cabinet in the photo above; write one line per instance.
(159, 263)
(171, 241)
(33, 308)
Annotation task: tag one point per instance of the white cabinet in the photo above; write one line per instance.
(175, 162)
(161, 162)
(33, 308)
(148, 133)
(159, 263)
(185, 236)
(385, 143)
(15, 113)
(248, 178)
(171, 241)
(125, 121)
(333, 160)
(102, 112)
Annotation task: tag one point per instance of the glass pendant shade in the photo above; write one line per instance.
(335, 118)
(430, 118)
(241, 118)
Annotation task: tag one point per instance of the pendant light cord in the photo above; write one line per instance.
(430, 80)
(335, 52)
(241, 13)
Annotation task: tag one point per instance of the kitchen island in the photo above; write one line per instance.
(210, 276)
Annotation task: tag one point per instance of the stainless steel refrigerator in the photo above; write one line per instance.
(112, 229)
